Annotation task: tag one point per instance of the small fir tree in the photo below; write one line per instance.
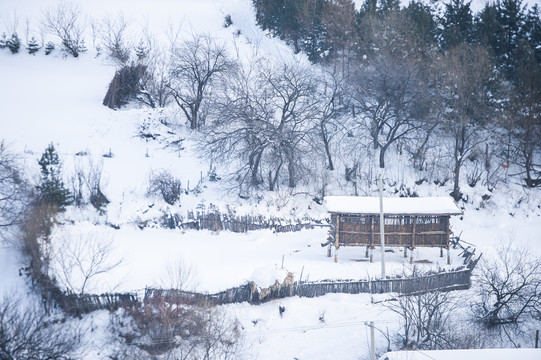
(141, 51)
(82, 47)
(33, 46)
(14, 43)
(3, 41)
(49, 47)
(51, 190)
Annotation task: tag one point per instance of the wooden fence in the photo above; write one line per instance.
(76, 305)
(216, 221)
(442, 281)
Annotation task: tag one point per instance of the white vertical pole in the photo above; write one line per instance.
(372, 342)
(381, 224)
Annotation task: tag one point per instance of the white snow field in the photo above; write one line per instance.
(57, 99)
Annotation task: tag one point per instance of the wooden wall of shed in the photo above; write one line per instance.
(407, 230)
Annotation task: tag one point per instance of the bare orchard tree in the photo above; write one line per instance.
(67, 22)
(14, 191)
(179, 275)
(113, 35)
(27, 333)
(78, 260)
(389, 87)
(264, 121)
(509, 287)
(196, 65)
(467, 72)
(332, 106)
(425, 320)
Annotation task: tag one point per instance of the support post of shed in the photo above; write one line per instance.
(371, 239)
(448, 255)
(337, 238)
(381, 223)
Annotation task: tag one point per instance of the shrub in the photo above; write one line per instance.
(166, 185)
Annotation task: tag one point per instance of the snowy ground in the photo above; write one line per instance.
(54, 99)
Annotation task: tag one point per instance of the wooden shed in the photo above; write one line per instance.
(409, 222)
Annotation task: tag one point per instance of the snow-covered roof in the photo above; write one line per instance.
(394, 206)
(466, 354)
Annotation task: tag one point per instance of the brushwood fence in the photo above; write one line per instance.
(443, 281)
(216, 221)
(458, 279)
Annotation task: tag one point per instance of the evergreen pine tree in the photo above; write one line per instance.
(457, 24)
(488, 31)
(14, 43)
(424, 20)
(49, 47)
(51, 190)
(533, 31)
(511, 19)
(387, 6)
(33, 46)
(82, 46)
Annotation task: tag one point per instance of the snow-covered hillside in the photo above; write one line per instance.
(58, 99)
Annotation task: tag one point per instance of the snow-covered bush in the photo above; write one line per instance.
(166, 185)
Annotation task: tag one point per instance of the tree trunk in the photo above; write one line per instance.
(456, 194)
(327, 147)
(255, 180)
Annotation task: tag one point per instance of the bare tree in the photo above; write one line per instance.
(155, 90)
(508, 287)
(67, 22)
(14, 191)
(467, 72)
(265, 120)
(79, 261)
(389, 86)
(425, 320)
(113, 34)
(27, 333)
(331, 106)
(180, 275)
(195, 66)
